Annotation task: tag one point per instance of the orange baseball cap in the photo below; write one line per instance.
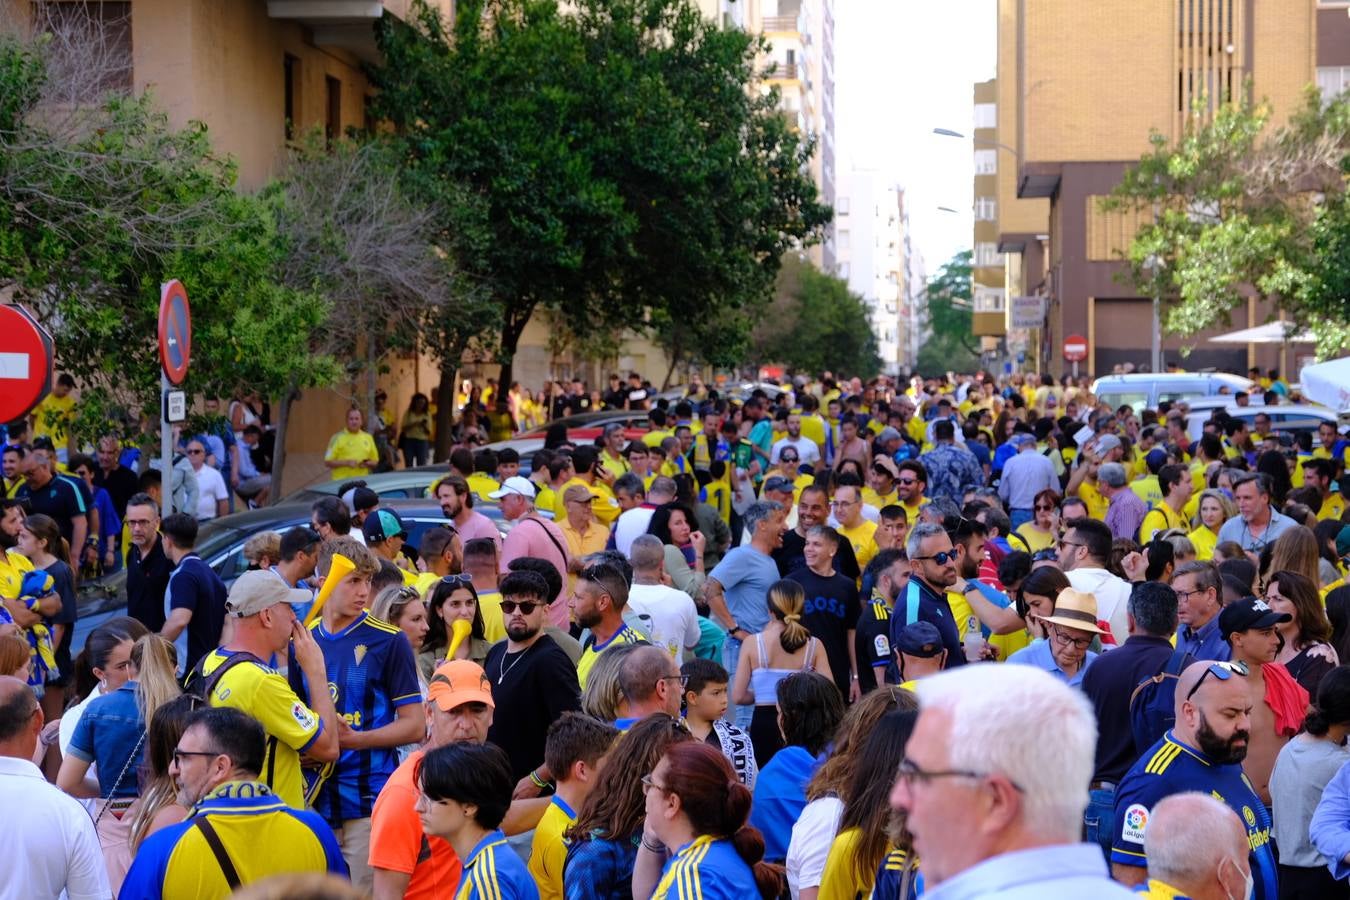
(459, 681)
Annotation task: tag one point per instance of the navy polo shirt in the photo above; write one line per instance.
(1108, 684)
(920, 603)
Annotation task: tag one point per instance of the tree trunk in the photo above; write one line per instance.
(512, 328)
(279, 449)
(445, 408)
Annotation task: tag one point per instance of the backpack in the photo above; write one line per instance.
(1153, 703)
(200, 685)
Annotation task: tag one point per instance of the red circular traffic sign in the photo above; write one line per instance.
(27, 359)
(175, 331)
(1075, 348)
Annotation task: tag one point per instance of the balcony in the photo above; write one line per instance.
(781, 71)
(780, 25)
(345, 24)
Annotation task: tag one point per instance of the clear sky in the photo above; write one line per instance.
(903, 68)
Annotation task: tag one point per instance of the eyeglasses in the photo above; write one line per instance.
(526, 607)
(179, 754)
(1185, 595)
(196, 452)
(1041, 508)
(1063, 543)
(1222, 671)
(682, 679)
(1065, 641)
(649, 783)
(910, 771)
(941, 558)
(456, 579)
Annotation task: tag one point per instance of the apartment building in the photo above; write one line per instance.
(987, 288)
(1079, 89)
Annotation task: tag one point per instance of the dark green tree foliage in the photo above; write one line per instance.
(1239, 207)
(102, 201)
(815, 324)
(609, 163)
(950, 344)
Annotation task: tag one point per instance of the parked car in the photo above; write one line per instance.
(399, 484)
(584, 428)
(1144, 390)
(221, 543)
(1290, 417)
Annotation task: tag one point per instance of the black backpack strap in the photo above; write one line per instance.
(209, 682)
(203, 824)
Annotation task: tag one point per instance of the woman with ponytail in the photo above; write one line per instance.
(696, 839)
(784, 646)
(1302, 772)
(103, 666)
(111, 732)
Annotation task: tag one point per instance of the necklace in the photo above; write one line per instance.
(503, 668)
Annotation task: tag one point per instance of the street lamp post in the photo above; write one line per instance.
(1155, 264)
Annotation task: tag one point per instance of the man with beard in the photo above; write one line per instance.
(239, 831)
(452, 493)
(1203, 752)
(531, 676)
(1278, 701)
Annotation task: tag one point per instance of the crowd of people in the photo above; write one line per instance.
(962, 638)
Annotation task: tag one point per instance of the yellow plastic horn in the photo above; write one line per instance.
(339, 569)
(459, 630)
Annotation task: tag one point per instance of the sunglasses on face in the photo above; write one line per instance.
(788, 458)
(526, 607)
(1045, 509)
(941, 558)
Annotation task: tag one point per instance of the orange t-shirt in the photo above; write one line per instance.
(397, 842)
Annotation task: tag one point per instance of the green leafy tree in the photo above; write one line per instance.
(951, 344)
(609, 164)
(815, 324)
(102, 201)
(1239, 207)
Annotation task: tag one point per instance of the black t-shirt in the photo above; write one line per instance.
(121, 484)
(831, 612)
(61, 500)
(792, 556)
(63, 582)
(578, 403)
(194, 586)
(147, 580)
(872, 642)
(530, 691)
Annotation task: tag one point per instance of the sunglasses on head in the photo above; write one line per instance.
(1222, 671)
(526, 607)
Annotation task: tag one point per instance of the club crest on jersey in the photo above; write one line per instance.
(360, 653)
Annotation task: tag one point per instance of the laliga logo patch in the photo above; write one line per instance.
(1136, 820)
(882, 645)
(303, 717)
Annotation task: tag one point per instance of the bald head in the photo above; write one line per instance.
(1213, 705)
(1197, 845)
(20, 718)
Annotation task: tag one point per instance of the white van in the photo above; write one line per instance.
(1144, 390)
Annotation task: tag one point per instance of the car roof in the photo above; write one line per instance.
(1134, 378)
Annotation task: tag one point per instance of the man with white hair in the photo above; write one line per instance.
(1197, 848)
(635, 521)
(994, 784)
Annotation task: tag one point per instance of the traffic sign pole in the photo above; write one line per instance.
(165, 448)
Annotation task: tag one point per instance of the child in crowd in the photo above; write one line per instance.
(574, 751)
(705, 702)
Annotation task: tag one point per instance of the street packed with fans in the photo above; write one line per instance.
(957, 637)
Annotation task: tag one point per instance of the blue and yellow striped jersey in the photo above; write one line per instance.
(494, 871)
(260, 834)
(706, 869)
(371, 673)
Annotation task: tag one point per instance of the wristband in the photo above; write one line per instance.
(654, 848)
(538, 782)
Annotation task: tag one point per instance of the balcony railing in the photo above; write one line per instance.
(780, 23)
(784, 70)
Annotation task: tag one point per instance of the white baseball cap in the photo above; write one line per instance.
(516, 484)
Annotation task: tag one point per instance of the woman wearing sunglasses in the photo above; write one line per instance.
(1043, 529)
(452, 598)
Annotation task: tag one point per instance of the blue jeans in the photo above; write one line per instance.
(1020, 517)
(1099, 818)
(731, 654)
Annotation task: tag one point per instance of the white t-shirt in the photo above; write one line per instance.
(809, 846)
(673, 617)
(210, 489)
(55, 851)
(807, 451)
